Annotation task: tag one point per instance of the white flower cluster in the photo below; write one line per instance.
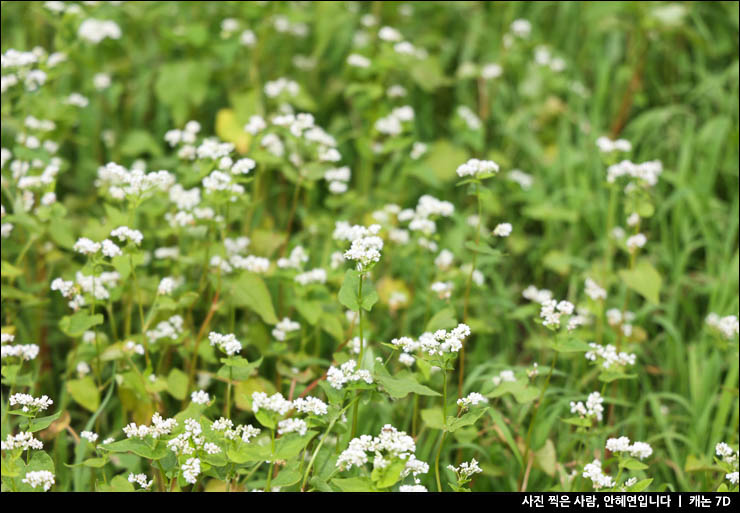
(347, 373)
(140, 479)
(226, 343)
(338, 179)
(616, 318)
(552, 310)
(606, 145)
(171, 328)
(295, 260)
(282, 328)
(518, 176)
(313, 276)
(543, 57)
(536, 295)
(438, 343)
(275, 403)
(275, 88)
(122, 183)
(593, 472)
(502, 230)
(159, 428)
(646, 172)
(190, 441)
(472, 121)
(505, 376)
(23, 441)
(636, 241)
(24, 352)
(473, 399)
(89, 436)
(466, 469)
(392, 124)
(311, 406)
(443, 289)
(386, 447)
(200, 397)
(365, 249)
(608, 355)
(243, 432)
(292, 426)
(191, 470)
(593, 407)
(727, 326)
(421, 219)
(475, 167)
(30, 403)
(640, 450)
(42, 478)
(95, 31)
(594, 291)
(729, 457)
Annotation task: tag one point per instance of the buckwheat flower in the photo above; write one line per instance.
(728, 326)
(89, 436)
(606, 145)
(200, 397)
(247, 38)
(389, 34)
(275, 403)
(471, 120)
(594, 291)
(191, 470)
(312, 276)
(110, 249)
(633, 219)
(140, 479)
(256, 124)
(412, 488)
(292, 426)
(23, 440)
(503, 377)
(284, 327)
(406, 359)
(86, 247)
(475, 167)
(593, 472)
(77, 100)
(366, 249)
(101, 81)
(24, 352)
(124, 233)
(134, 347)
(295, 260)
(636, 241)
(521, 28)
(166, 286)
(347, 373)
(358, 61)
(444, 259)
(226, 343)
(640, 450)
(609, 356)
(42, 478)
(29, 402)
(732, 477)
(396, 91)
(502, 230)
(724, 451)
(473, 399)
(443, 289)
(95, 31)
(311, 405)
(465, 470)
(490, 71)
(621, 444)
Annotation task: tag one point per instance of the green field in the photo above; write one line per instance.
(504, 232)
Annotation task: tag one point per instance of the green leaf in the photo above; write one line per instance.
(139, 142)
(442, 320)
(467, 419)
(140, 448)
(8, 270)
(482, 248)
(354, 484)
(644, 280)
(75, 325)
(237, 368)
(250, 291)
(245, 453)
(570, 345)
(640, 486)
(43, 422)
(289, 446)
(117, 484)
(385, 477)
(432, 417)
(177, 384)
(85, 393)
(521, 391)
(400, 385)
(632, 464)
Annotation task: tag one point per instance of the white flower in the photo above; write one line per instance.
(284, 327)
(606, 145)
(29, 402)
(86, 247)
(465, 470)
(227, 343)
(594, 291)
(347, 373)
(636, 241)
(37, 478)
(140, 479)
(311, 405)
(491, 70)
(358, 61)
(292, 426)
(275, 403)
(473, 399)
(23, 440)
(200, 397)
(110, 249)
(593, 472)
(502, 230)
(95, 31)
(101, 81)
(191, 470)
(475, 167)
(89, 436)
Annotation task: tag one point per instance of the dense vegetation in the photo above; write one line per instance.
(352, 246)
